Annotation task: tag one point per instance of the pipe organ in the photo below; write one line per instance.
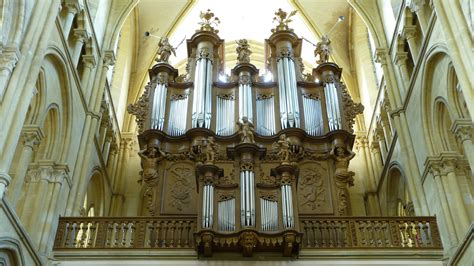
(251, 156)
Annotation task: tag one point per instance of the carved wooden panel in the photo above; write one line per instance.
(314, 188)
(179, 189)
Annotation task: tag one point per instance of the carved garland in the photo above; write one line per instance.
(351, 109)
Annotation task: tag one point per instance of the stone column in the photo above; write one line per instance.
(8, 59)
(398, 114)
(90, 128)
(460, 215)
(126, 146)
(423, 13)
(72, 8)
(379, 136)
(462, 129)
(80, 37)
(107, 144)
(89, 64)
(401, 62)
(32, 136)
(375, 151)
(408, 33)
(435, 168)
(40, 208)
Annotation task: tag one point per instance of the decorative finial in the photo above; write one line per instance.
(243, 51)
(164, 50)
(207, 21)
(283, 19)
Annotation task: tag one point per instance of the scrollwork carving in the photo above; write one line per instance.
(181, 187)
(351, 109)
(140, 108)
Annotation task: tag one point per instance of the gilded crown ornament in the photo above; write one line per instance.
(208, 20)
(283, 19)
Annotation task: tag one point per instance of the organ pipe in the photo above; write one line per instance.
(247, 198)
(207, 208)
(313, 116)
(201, 115)
(226, 212)
(289, 110)
(287, 206)
(269, 214)
(177, 116)
(159, 104)
(332, 106)
(225, 115)
(266, 115)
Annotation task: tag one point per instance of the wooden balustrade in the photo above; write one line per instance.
(125, 232)
(370, 232)
(178, 232)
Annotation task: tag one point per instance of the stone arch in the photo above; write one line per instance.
(94, 199)
(433, 62)
(10, 252)
(456, 96)
(371, 19)
(57, 93)
(12, 19)
(398, 201)
(50, 127)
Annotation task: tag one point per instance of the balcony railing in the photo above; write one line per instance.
(370, 232)
(178, 233)
(125, 232)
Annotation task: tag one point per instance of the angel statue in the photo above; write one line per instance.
(323, 50)
(210, 151)
(243, 51)
(283, 146)
(164, 50)
(246, 131)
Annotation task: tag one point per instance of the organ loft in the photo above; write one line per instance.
(256, 161)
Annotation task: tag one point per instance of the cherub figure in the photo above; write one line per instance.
(243, 51)
(210, 150)
(283, 148)
(150, 158)
(246, 131)
(165, 49)
(323, 50)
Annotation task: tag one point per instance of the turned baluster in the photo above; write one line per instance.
(131, 228)
(187, 233)
(92, 236)
(306, 233)
(315, 228)
(158, 232)
(172, 228)
(345, 241)
(179, 228)
(424, 227)
(75, 231)
(362, 230)
(330, 230)
(404, 238)
(322, 228)
(165, 234)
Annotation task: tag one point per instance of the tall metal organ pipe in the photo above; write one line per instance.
(159, 104)
(207, 205)
(247, 198)
(202, 112)
(177, 115)
(245, 96)
(332, 106)
(289, 110)
(287, 206)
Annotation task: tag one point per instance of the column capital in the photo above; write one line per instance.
(32, 135)
(463, 129)
(49, 171)
(401, 58)
(416, 5)
(89, 60)
(408, 31)
(381, 56)
(72, 6)
(127, 142)
(81, 35)
(9, 57)
(375, 147)
(108, 58)
(378, 134)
